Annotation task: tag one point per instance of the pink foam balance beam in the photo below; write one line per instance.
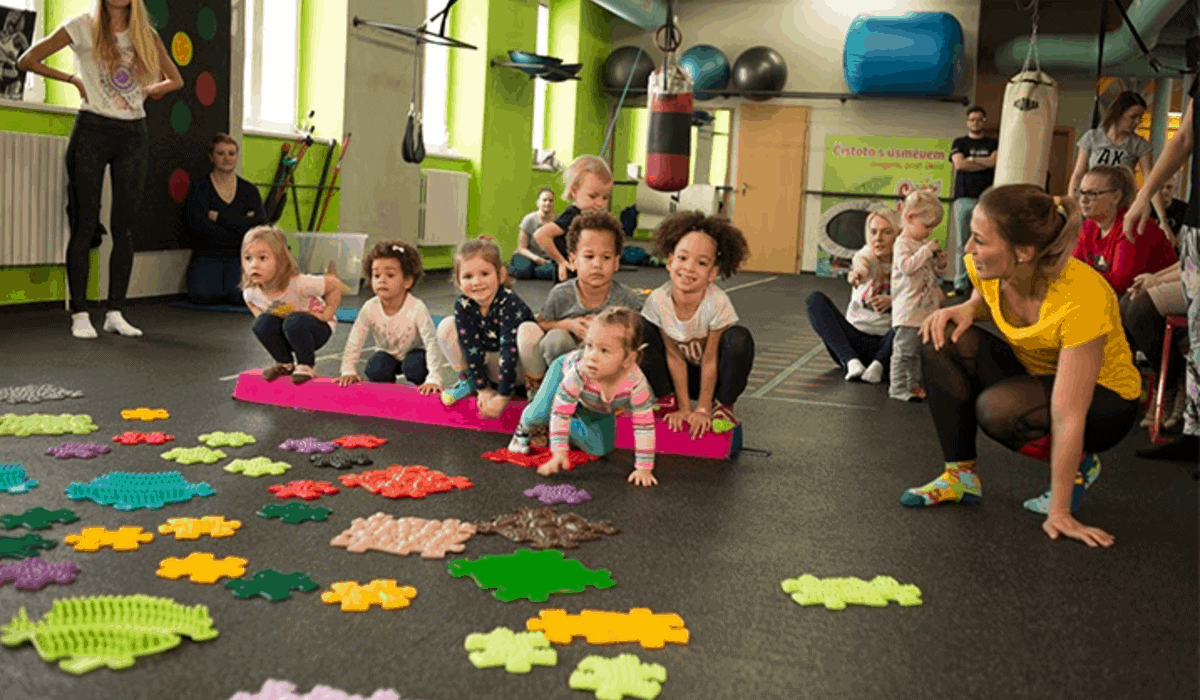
(403, 402)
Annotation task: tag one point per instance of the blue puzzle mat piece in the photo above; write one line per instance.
(129, 491)
(14, 480)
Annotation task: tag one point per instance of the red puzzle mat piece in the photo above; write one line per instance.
(412, 481)
(350, 442)
(308, 490)
(537, 457)
(134, 437)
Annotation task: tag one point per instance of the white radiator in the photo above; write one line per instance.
(443, 216)
(33, 199)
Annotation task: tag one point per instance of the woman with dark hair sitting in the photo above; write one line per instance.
(1061, 368)
(218, 211)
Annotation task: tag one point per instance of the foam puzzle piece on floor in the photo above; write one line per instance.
(341, 460)
(14, 480)
(283, 690)
(412, 481)
(516, 652)
(145, 414)
(604, 627)
(307, 445)
(537, 457)
(79, 450)
(194, 455)
(404, 402)
(136, 437)
(558, 493)
(259, 466)
(201, 567)
(46, 424)
(36, 393)
(305, 489)
(215, 526)
(293, 512)
(223, 439)
(532, 575)
(36, 573)
(24, 547)
(613, 679)
(837, 593)
(38, 518)
(359, 598)
(545, 527)
(92, 539)
(130, 491)
(272, 585)
(112, 631)
(367, 442)
(384, 533)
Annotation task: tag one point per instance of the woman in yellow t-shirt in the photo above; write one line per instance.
(1062, 369)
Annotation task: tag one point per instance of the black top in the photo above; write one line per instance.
(233, 219)
(564, 219)
(972, 183)
(1176, 211)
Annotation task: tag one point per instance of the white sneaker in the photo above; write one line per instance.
(81, 326)
(873, 373)
(114, 322)
(854, 369)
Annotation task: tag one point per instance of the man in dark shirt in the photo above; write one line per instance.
(974, 160)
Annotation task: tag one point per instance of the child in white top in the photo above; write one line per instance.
(404, 333)
(294, 312)
(918, 263)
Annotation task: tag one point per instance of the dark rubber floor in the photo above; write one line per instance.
(1007, 613)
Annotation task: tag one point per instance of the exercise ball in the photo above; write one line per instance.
(624, 61)
(708, 67)
(759, 69)
(918, 53)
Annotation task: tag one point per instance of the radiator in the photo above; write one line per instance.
(443, 214)
(33, 199)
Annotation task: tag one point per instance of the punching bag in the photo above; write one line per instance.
(1027, 124)
(669, 142)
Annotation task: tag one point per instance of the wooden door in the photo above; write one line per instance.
(772, 163)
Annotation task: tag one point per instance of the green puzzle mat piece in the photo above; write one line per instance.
(259, 466)
(293, 512)
(613, 679)
(38, 518)
(112, 631)
(193, 455)
(271, 584)
(837, 593)
(223, 439)
(517, 652)
(529, 574)
(24, 547)
(46, 424)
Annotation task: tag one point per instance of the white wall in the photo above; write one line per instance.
(810, 35)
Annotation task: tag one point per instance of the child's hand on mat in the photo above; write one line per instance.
(558, 462)
(933, 329)
(699, 423)
(429, 388)
(1057, 524)
(881, 302)
(643, 477)
(348, 379)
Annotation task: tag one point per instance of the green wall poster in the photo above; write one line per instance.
(874, 171)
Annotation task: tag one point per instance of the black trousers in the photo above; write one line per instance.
(735, 359)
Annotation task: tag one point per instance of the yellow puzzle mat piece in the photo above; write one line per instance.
(201, 567)
(359, 598)
(192, 528)
(145, 414)
(603, 627)
(91, 539)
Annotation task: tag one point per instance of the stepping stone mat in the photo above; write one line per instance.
(837, 593)
(544, 528)
(37, 518)
(293, 512)
(259, 466)
(14, 480)
(145, 414)
(223, 439)
(341, 460)
(433, 539)
(93, 539)
(531, 575)
(194, 455)
(304, 489)
(201, 567)
(615, 678)
(537, 457)
(359, 598)
(24, 547)
(46, 424)
(79, 450)
(283, 690)
(130, 491)
(36, 393)
(272, 585)
(368, 442)
(33, 574)
(558, 493)
(136, 437)
(639, 625)
(515, 652)
(215, 526)
(412, 481)
(307, 445)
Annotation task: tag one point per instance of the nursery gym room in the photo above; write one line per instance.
(308, 397)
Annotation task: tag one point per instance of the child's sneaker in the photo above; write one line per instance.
(461, 390)
(539, 436)
(519, 442)
(274, 372)
(302, 374)
(722, 419)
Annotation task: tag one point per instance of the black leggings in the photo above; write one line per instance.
(735, 359)
(123, 147)
(979, 382)
(1146, 328)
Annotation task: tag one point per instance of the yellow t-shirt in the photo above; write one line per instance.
(1079, 307)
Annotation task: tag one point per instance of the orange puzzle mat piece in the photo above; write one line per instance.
(359, 598)
(603, 627)
(91, 539)
(145, 414)
(192, 528)
(201, 567)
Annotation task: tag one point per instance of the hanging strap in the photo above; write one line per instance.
(1031, 51)
(1099, 64)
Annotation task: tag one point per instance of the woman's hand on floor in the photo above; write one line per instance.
(1065, 524)
(699, 423)
(643, 477)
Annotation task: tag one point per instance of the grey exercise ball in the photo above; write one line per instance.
(619, 65)
(760, 69)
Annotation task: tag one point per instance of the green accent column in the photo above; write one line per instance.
(321, 73)
(58, 12)
(577, 111)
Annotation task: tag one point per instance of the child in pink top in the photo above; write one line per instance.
(918, 264)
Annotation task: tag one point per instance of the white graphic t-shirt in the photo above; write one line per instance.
(303, 293)
(110, 93)
(690, 336)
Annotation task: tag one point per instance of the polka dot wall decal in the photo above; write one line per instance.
(158, 11)
(181, 117)
(206, 23)
(178, 185)
(206, 88)
(181, 48)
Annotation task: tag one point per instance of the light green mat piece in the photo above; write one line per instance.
(223, 439)
(259, 466)
(615, 678)
(517, 652)
(193, 455)
(837, 593)
(46, 424)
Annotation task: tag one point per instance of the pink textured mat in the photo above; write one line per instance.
(403, 402)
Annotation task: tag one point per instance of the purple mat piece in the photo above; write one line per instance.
(558, 493)
(307, 446)
(33, 574)
(82, 450)
(283, 690)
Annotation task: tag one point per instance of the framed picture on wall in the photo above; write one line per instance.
(16, 34)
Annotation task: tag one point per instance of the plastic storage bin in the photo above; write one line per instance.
(314, 252)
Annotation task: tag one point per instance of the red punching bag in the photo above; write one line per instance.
(669, 142)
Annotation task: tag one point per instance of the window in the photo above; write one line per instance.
(269, 92)
(539, 86)
(35, 90)
(437, 70)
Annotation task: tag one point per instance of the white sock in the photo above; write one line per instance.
(873, 373)
(854, 369)
(81, 326)
(305, 369)
(114, 322)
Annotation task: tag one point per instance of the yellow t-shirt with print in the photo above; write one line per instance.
(1079, 307)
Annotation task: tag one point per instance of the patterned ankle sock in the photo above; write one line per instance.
(958, 484)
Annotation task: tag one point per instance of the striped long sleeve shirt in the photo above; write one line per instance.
(633, 394)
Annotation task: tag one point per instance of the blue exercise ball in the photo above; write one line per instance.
(709, 69)
(625, 61)
(760, 69)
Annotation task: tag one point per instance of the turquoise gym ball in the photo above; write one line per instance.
(709, 68)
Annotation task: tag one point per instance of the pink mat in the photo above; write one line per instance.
(404, 402)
